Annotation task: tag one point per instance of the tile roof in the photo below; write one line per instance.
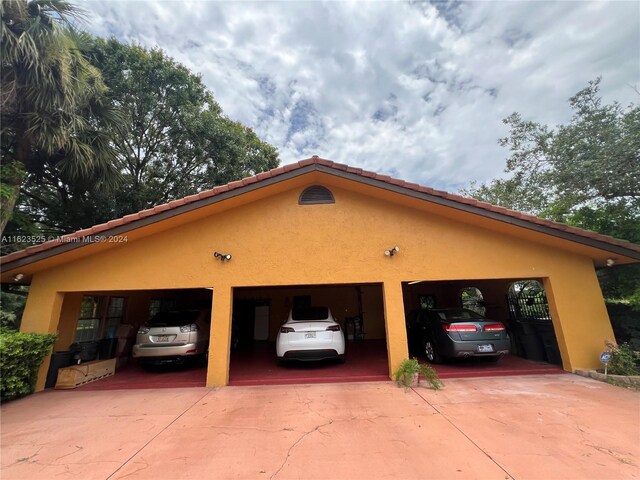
(315, 160)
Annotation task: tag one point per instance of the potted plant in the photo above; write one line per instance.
(409, 371)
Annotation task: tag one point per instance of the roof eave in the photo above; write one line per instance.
(346, 173)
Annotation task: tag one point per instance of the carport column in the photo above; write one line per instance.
(580, 318)
(220, 337)
(397, 349)
(41, 315)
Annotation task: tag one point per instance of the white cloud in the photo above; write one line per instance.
(414, 90)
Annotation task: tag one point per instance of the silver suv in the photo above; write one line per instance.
(174, 337)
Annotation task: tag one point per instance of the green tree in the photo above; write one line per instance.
(174, 141)
(177, 141)
(52, 99)
(12, 301)
(585, 173)
(588, 164)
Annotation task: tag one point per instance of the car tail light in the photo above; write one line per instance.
(189, 328)
(459, 328)
(334, 328)
(143, 329)
(494, 327)
(286, 330)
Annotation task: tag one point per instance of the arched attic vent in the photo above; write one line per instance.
(316, 194)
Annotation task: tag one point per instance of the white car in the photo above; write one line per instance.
(310, 334)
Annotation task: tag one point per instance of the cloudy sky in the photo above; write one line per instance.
(416, 90)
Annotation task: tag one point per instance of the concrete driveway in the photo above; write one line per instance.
(533, 427)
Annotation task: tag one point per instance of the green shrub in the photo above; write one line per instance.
(410, 366)
(623, 361)
(21, 355)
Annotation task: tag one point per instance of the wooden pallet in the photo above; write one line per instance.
(77, 375)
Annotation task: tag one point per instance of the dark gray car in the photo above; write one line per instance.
(455, 332)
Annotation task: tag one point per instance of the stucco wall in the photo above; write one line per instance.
(275, 241)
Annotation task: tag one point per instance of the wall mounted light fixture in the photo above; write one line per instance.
(392, 251)
(222, 256)
(18, 276)
(611, 262)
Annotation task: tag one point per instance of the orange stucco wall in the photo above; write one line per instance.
(275, 241)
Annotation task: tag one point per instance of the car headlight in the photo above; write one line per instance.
(143, 329)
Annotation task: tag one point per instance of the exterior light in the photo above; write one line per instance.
(611, 262)
(18, 276)
(392, 251)
(222, 256)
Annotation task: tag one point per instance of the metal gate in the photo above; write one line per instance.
(530, 322)
(528, 305)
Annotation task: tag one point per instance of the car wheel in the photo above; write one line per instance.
(431, 352)
(202, 360)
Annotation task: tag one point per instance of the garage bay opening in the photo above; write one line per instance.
(308, 334)
(481, 327)
(132, 339)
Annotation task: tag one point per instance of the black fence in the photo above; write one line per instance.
(531, 326)
(523, 305)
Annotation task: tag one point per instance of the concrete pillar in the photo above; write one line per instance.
(397, 348)
(580, 318)
(220, 337)
(41, 315)
(69, 316)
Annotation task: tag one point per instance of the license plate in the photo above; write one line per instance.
(485, 348)
(162, 338)
(310, 335)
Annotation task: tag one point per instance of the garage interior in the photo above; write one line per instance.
(521, 305)
(259, 312)
(103, 325)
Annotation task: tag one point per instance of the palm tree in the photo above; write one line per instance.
(52, 99)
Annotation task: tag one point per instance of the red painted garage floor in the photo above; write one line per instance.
(366, 361)
(168, 376)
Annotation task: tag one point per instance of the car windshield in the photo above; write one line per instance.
(174, 319)
(310, 314)
(457, 315)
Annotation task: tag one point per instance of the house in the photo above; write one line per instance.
(314, 231)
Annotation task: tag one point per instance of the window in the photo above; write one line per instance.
(174, 319)
(88, 327)
(459, 315)
(115, 314)
(301, 301)
(471, 298)
(427, 302)
(316, 194)
(99, 318)
(160, 305)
